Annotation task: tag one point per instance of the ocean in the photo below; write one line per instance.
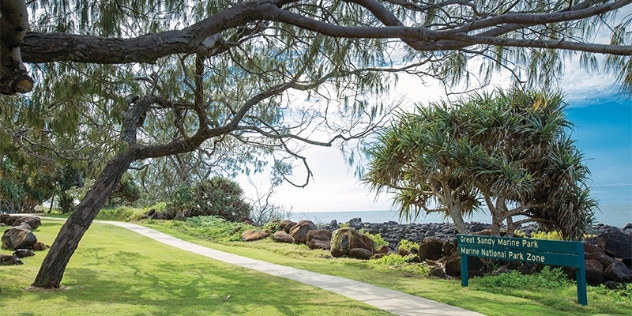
(615, 215)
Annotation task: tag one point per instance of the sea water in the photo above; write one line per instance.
(615, 215)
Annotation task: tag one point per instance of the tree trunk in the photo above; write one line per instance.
(54, 265)
(457, 217)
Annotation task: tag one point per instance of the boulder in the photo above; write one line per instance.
(33, 221)
(449, 246)
(615, 285)
(378, 256)
(23, 253)
(299, 231)
(288, 226)
(345, 239)
(594, 272)
(502, 270)
(382, 249)
(360, 253)
(18, 238)
(253, 234)
(403, 252)
(617, 272)
(356, 223)
(452, 265)
(319, 239)
(437, 272)
(430, 248)
(6, 260)
(247, 220)
(283, 223)
(39, 246)
(282, 236)
(617, 243)
(4, 218)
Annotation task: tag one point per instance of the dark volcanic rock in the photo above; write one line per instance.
(617, 272)
(18, 238)
(360, 253)
(430, 248)
(33, 221)
(319, 239)
(617, 243)
(6, 260)
(594, 272)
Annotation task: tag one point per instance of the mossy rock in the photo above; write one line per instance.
(345, 239)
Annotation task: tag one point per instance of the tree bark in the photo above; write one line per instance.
(54, 265)
(13, 25)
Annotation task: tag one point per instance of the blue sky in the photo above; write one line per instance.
(602, 121)
(603, 131)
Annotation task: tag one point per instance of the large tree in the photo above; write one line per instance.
(271, 74)
(511, 152)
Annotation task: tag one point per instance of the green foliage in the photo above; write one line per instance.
(272, 227)
(547, 278)
(343, 225)
(622, 294)
(407, 244)
(378, 241)
(453, 156)
(122, 213)
(402, 263)
(126, 192)
(218, 197)
(211, 228)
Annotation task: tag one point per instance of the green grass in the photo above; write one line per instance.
(535, 295)
(117, 272)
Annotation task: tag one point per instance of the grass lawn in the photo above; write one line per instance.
(115, 271)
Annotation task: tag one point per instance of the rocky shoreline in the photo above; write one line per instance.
(393, 232)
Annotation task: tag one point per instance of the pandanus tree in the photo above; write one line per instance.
(270, 74)
(511, 152)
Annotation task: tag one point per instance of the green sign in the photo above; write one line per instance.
(549, 252)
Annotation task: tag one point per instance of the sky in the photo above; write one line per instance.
(602, 120)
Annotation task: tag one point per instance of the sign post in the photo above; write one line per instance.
(549, 252)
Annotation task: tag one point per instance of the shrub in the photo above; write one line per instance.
(407, 244)
(212, 228)
(122, 213)
(402, 263)
(215, 197)
(378, 241)
(547, 278)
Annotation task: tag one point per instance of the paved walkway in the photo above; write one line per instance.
(392, 301)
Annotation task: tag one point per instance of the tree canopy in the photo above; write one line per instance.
(116, 83)
(511, 152)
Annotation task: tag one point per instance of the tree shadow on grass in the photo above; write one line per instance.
(189, 288)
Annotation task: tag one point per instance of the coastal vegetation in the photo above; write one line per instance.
(509, 151)
(186, 90)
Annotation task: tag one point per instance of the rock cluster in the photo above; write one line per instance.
(608, 255)
(19, 238)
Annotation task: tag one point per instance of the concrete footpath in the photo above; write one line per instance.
(395, 302)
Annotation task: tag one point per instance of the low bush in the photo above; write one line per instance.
(407, 245)
(212, 228)
(122, 213)
(402, 263)
(378, 241)
(547, 278)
